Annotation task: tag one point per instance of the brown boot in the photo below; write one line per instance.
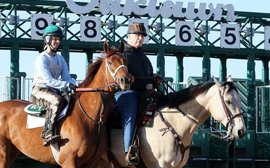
(47, 134)
(132, 157)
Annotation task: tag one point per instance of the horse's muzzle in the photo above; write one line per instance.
(125, 82)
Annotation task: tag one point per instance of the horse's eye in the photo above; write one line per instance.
(109, 62)
(228, 101)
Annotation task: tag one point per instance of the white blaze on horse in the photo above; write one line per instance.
(167, 143)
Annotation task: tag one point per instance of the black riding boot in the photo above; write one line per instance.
(49, 130)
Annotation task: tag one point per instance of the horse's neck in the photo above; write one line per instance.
(187, 118)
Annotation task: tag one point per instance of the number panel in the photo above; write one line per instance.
(38, 23)
(184, 33)
(229, 36)
(90, 29)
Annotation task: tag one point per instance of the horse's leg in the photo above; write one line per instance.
(69, 162)
(8, 152)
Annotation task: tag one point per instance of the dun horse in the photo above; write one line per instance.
(83, 129)
(167, 143)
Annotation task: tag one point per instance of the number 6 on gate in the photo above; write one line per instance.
(184, 33)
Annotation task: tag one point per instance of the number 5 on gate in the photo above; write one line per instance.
(230, 36)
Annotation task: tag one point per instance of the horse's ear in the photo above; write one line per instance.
(106, 47)
(121, 46)
(229, 78)
(216, 81)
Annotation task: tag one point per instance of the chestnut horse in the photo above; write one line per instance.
(179, 115)
(83, 130)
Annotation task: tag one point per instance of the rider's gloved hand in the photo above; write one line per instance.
(71, 88)
(157, 80)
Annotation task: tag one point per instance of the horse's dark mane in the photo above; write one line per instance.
(191, 92)
(92, 70)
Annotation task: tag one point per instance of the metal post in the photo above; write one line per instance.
(251, 91)
(161, 62)
(223, 69)
(14, 68)
(206, 66)
(179, 71)
(265, 72)
(65, 52)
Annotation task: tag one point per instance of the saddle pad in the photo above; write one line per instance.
(34, 121)
(39, 121)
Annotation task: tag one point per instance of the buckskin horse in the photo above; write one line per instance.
(82, 130)
(179, 115)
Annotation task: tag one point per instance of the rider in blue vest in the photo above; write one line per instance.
(51, 76)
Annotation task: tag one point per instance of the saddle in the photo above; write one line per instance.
(146, 112)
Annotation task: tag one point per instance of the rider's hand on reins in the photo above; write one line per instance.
(71, 88)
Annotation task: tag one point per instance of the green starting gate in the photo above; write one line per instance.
(175, 30)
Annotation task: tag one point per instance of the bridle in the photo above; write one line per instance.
(115, 72)
(230, 117)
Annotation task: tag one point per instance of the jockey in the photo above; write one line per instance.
(50, 78)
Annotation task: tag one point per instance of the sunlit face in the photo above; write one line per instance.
(135, 40)
(55, 41)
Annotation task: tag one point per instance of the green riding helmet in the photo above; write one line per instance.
(53, 30)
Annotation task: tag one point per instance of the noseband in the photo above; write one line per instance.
(113, 74)
(230, 117)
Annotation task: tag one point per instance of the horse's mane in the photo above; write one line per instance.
(92, 71)
(94, 67)
(189, 93)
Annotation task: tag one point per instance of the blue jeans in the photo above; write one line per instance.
(127, 102)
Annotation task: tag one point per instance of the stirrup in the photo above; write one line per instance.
(132, 156)
(51, 139)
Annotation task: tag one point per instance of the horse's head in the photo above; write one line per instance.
(116, 69)
(227, 110)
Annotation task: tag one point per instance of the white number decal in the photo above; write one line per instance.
(38, 23)
(90, 29)
(184, 33)
(230, 37)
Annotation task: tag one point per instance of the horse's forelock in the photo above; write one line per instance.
(230, 87)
